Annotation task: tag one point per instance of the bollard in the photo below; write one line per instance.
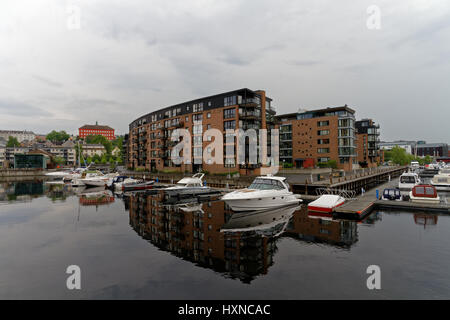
(378, 194)
(157, 180)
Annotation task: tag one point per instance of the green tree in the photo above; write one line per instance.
(59, 160)
(399, 156)
(12, 142)
(58, 136)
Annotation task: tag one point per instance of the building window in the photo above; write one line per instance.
(197, 129)
(197, 117)
(323, 132)
(322, 160)
(229, 125)
(229, 101)
(323, 150)
(187, 118)
(323, 141)
(323, 123)
(229, 113)
(208, 115)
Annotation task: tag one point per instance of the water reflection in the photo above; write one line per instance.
(238, 245)
(425, 219)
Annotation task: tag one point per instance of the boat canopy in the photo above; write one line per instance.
(424, 191)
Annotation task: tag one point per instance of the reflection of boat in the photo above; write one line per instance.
(260, 220)
(96, 198)
(441, 182)
(189, 185)
(424, 194)
(326, 203)
(391, 194)
(408, 180)
(265, 192)
(425, 219)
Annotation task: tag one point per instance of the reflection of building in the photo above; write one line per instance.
(315, 229)
(193, 232)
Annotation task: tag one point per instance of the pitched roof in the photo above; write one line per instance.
(96, 127)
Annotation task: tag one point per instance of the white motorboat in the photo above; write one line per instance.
(265, 192)
(58, 174)
(444, 171)
(188, 186)
(441, 182)
(408, 180)
(97, 179)
(326, 203)
(424, 194)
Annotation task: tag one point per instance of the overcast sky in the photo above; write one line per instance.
(131, 57)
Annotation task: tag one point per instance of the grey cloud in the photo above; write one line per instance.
(47, 81)
(21, 109)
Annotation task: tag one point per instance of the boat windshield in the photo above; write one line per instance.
(391, 192)
(408, 179)
(266, 184)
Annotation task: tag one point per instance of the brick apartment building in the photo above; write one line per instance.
(149, 142)
(88, 130)
(310, 138)
(368, 143)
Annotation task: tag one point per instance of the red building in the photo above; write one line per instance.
(92, 130)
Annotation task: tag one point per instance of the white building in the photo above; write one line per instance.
(19, 135)
(409, 146)
(89, 150)
(2, 152)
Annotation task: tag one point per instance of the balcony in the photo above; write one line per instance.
(250, 102)
(249, 114)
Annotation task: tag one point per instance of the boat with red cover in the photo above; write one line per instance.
(326, 203)
(424, 193)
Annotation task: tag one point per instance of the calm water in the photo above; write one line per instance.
(140, 247)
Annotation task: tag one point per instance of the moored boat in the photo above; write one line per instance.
(441, 182)
(189, 186)
(326, 203)
(145, 185)
(408, 180)
(392, 194)
(424, 194)
(265, 192)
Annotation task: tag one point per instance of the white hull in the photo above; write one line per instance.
(406, 186)
(442, 188)
(425, 200)
(94, 183)
(180, 190)
(268, 202)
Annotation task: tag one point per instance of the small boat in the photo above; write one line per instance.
(326, 203)
(145, 185)
(424, 193)
(265, 192)
(441, 182)
(117, 182)
(58, 174)
(188, 186)
(408, 180)
(98, 179)
(392, 194)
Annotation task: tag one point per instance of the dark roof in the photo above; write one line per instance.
(96, 127)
